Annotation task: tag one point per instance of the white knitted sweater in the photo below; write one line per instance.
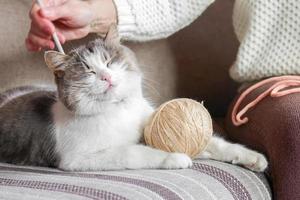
(269, 33)
(142, 20)
(269, 30)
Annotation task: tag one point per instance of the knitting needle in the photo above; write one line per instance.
(54, 35)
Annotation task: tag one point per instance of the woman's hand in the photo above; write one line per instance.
(71, 19)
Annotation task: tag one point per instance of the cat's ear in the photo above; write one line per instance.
(55, 61)
(112, 37)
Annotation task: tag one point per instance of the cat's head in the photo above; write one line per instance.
(96, 75)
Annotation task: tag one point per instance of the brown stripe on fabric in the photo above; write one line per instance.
(66, 188)
(234, 186)
(160, 190)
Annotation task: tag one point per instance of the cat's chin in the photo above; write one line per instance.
(99, 106)
(105, 93)
(109, 91)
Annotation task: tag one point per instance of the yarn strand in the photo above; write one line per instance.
(281, 87)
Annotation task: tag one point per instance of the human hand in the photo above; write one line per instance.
(71, 19)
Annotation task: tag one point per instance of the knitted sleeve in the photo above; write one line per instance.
(269, 35)
(142, 20)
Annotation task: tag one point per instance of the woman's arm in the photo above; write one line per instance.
(143, 20)
(138, 20)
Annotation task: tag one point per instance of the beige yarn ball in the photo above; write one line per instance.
(180, 125)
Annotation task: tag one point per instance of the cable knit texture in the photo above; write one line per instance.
(143, 20)
(269, 32)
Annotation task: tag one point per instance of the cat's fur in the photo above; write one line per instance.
(95, 119)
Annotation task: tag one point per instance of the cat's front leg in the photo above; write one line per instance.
(219, 149)
(126, 157)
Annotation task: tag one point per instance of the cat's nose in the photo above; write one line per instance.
(107, 78)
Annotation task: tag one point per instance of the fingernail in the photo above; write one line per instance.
(51, 46)
(63, 40)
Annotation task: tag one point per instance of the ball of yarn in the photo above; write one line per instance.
(180, 125)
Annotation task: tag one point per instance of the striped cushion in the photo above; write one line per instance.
(205, 180)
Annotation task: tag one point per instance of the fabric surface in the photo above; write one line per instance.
(273, 128)
(142, 20)
(205, 180)
(269, 32)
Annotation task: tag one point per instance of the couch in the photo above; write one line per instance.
(193, 63)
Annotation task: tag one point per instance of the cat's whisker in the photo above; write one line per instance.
(151, 89)
(148, 83)
(147, 79)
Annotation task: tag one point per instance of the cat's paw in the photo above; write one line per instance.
(252, 160)
(177, 161)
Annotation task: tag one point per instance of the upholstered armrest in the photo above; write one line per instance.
(273, 128)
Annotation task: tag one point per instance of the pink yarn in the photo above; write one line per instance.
(280, 88)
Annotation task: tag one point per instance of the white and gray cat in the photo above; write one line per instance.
(95, 118)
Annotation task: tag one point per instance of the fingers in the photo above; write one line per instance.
(42, 24)
(31, 47)
(34, 42)
(40, 34)
(56, 12)
(61, 37)
(44, 21)
(71, 34)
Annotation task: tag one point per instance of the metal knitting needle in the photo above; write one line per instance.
(54, 35)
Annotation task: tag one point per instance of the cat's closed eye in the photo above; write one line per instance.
(85, 64)
(88, 67)
(108, 63)
(90, 49)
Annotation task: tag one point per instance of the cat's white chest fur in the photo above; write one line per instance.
(118, 125)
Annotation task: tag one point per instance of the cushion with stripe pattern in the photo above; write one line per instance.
(206, 180)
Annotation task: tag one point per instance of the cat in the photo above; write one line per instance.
(95, 117)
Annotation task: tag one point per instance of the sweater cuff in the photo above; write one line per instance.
(126, 20)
